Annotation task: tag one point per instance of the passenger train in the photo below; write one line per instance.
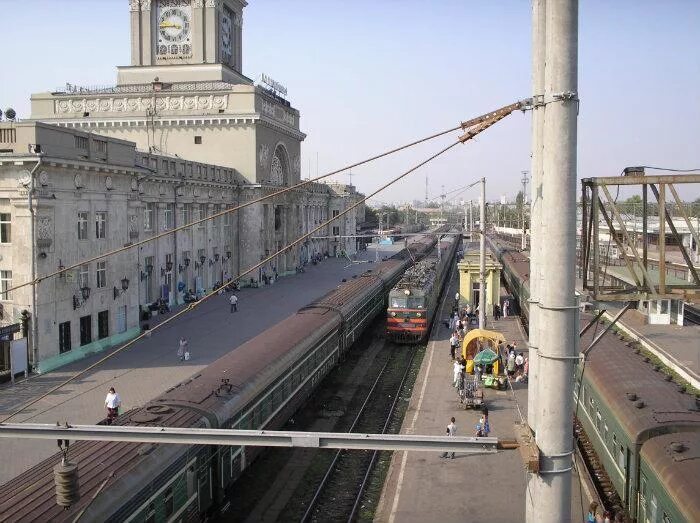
(258, 385)
(644, 428)
(413, 302)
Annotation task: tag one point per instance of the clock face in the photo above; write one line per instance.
(226, 32)
(174, 28)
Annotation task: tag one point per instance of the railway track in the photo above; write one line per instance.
(339, 493)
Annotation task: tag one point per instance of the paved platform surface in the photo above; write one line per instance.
(422, 486)
(151, 366)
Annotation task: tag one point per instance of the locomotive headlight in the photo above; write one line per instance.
(393, 313)
(418, 315)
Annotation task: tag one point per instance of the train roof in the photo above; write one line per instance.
(643, 401)
(616, 372)
(675, 459)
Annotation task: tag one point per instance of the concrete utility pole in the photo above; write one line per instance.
(471, 219)
(558, 307)
(536, 236)
(523, 239)
(482, 257)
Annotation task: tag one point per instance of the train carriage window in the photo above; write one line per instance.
(598, 421)
(150, 513)
(168, 502)
(591, 406)
(191, 478)
(653, 507)
(621, 457)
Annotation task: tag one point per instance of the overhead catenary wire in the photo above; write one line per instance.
(482, 126)
(464, 125)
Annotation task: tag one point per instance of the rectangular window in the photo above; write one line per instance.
(164, 165)
(202, 214)
(186, 214)
(101, 274)
(335, 214)
(64, 337)
(102, 324)
(81, 142)
(336, 231)
(85, 330)
(148, 216)
(169, 215)
(5, 227)
(227, 218)
(82, 225)
(198, 140)
(100, 225)
(84, 276)
(278, 218)
(100, 146)
(5, 283)
(217, 210)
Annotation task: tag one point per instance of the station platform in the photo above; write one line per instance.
(425, 487)
(151, 366)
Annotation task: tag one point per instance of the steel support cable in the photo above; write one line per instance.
(470, 134)
(464, 125)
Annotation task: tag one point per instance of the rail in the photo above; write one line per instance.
(370, 467)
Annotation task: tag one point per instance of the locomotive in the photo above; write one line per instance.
(413, 302)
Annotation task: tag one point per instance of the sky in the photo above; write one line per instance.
(370, 75)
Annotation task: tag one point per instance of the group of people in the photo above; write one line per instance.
(517, 364)
(498, 311)
(481, 430)
(459, 326)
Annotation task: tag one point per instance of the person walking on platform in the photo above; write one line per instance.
(457, 371)
(450, 431)
(454, 341)
(496, 312)
(483, 428)
(510, 365)
(506, 308)
(233, 300)
(112, 404)
(182, 347)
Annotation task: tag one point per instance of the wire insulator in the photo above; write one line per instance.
(65, 476)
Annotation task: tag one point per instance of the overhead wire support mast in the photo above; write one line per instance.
(464, 125)
(483, 125)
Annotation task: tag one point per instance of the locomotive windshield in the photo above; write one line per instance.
(406, 302)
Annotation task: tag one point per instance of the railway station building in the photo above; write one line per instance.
(469, 285)
(181, 136)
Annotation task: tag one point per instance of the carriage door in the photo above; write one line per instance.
(642, 500)
(121, 319)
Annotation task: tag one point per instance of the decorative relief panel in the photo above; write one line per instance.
(263, 155)
(108, 183)
(296, 164)
(44, 228)
(137, 104)
(133, 226)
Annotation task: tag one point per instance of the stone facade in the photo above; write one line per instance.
(94, 194)
(183, 135)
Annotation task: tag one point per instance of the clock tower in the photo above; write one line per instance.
(185, 40)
